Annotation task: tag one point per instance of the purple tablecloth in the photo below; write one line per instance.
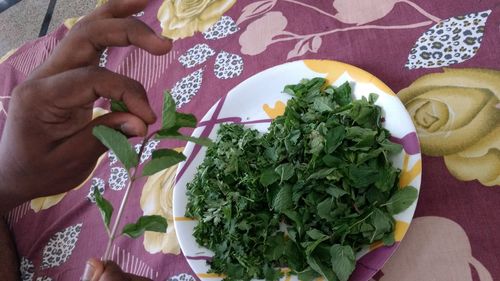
(441, 56)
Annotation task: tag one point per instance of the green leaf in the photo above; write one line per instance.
(343, 94)
(322, 104)
(119, 144)
(146, 223)
(162, 159)
(283, 200)
(169, 113)
(172, 133)
(118, 106)
(104, 206)
(334, 138)
(324, 208)
(315, 234)
(269, 177)
(382, 222)
(275, 246)
(321, 174)
(343, 261)
(401, 200)
(321, 268)
(285, 171)
(185, 120)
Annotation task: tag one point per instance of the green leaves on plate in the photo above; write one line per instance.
(401, 200)
(118, 143)
(161, 160)
(146, 223)
(343, 261)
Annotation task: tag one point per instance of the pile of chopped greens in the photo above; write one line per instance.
(307, 195)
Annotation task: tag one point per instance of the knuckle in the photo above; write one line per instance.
(25, 90)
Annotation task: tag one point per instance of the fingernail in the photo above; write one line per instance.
(127, 129)
(88, 273)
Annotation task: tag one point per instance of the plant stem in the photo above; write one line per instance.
(118, 217)
(132, 179)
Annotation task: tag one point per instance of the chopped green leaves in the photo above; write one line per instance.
(343, 261)
(322, 169)
(118, 143)
(401, 200)
(146, 223)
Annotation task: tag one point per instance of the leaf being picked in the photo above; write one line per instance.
(118, 143)
(183, 120)
(104, 206)
(172, 133)
(161, 160)
(168, 113)
(146, 223)
(401, 200)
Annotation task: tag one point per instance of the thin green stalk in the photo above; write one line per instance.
(133, 177)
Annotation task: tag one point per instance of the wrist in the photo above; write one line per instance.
(9, 191)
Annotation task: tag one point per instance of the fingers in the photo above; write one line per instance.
(84, 44)
(93, 270)
(81, 87)
(117, 9)
(108, 271)
(89, 148)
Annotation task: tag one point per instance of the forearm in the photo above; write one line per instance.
(9, 265)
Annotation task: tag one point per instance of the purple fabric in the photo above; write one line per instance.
(384, 52)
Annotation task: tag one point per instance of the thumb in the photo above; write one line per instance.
(82, 150)
(89, 147)
(93, 270)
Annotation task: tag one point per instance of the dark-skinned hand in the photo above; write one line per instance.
(47, 146)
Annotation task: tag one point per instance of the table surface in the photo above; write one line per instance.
(440, 57)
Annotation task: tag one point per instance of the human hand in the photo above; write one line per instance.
(98, 271)
(47, 146)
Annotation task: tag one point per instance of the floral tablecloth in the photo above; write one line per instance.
(441, 57)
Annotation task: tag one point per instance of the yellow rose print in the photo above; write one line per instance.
(182, 18)
(156, 199)
(43, 203)
(457, 116)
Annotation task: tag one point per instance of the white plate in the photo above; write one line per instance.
(255, 102)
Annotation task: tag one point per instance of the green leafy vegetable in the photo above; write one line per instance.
(343, 261)
(174, 134)
(104, 206)
(322, 169)
(401, 200)
(162, 159)
(169, 113)
(146, 223)
(118, 143)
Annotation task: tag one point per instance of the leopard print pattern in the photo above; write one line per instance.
(60, 247)
(196, 55)
(451, 41)
(221, 29)
(228, 65)
(185, 89)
